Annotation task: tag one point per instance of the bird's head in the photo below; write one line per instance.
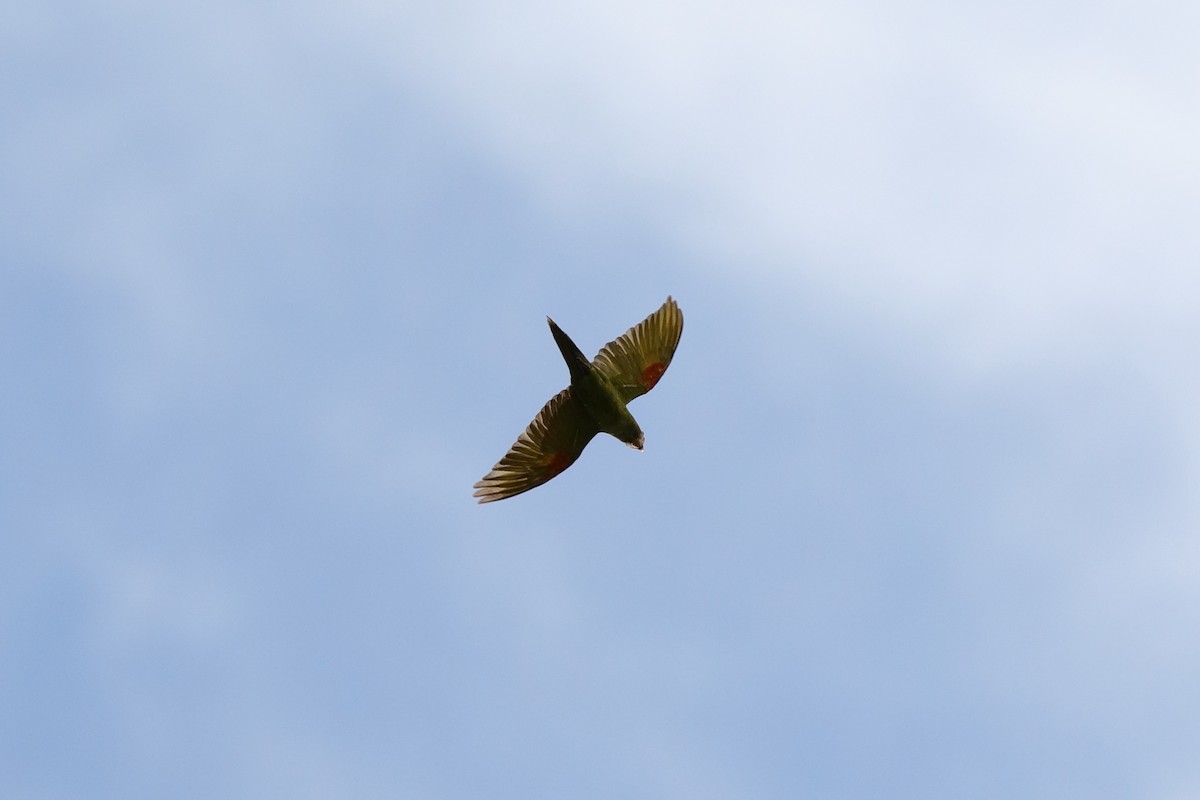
(639, 442)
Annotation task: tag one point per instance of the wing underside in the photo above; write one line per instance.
(636, 360)
(551, 443)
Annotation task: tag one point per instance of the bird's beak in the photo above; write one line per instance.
(638, 443)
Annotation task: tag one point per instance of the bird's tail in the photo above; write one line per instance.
(577, 362)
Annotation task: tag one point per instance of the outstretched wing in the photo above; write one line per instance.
(549, 445)
(635, 361)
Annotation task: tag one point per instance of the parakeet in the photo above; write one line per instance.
(595, 402)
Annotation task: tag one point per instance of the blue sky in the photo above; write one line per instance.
(917, 512)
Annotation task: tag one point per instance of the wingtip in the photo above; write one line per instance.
(485, 493)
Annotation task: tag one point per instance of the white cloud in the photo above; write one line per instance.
(1009, 182)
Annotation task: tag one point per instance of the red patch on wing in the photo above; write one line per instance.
(557, 463)
(652, 373)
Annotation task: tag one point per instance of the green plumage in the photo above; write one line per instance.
(595, 402)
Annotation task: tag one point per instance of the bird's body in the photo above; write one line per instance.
(595, 402)
(596, 393)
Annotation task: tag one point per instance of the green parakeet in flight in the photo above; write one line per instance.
(595, 402)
